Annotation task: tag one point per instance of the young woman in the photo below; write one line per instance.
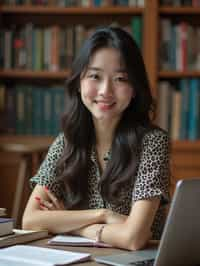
(108, 171)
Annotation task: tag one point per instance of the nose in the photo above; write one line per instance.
(106, 88)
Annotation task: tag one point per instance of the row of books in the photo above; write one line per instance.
(179, 108)
(31, 110)
(194, 3)
(68, 3)
(179, 46)
(48, 48)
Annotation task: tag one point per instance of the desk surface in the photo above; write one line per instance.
(94, 251)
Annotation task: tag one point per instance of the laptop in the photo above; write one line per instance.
(180, 241)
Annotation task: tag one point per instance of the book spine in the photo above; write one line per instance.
(136, 26)
(48, 129)
(166, 44)
(163, 104)
(176, 117)
(10, 110)
(20, 105)
(184, 86)
(193, 110)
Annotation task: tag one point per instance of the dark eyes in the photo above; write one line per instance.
(115, 79)
(121, 79)
(94, 76)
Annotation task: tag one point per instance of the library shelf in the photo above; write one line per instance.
(28, 74)
(178, 74)
(179, 10)
(50, 10)
(186, 145)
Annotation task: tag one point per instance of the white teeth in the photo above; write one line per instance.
(104, 103)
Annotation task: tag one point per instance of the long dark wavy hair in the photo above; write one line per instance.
(78, 128)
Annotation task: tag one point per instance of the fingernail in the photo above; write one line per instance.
(37, 198)
(46, 188)
(42, 205)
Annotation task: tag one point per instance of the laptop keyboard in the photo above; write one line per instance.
(143, 263)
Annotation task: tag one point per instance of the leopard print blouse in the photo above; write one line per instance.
(151, 180)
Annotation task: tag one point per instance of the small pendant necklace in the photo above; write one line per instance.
(106, 156)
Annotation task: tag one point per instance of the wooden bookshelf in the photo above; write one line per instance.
(178, 74)
(45, 10)
(185, 153)
(27, 74)
(179, 10)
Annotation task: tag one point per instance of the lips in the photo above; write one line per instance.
(105, 105)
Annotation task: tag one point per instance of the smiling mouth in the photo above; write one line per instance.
(105, 105)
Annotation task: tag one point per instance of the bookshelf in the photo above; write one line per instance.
(185, 153)
(24, 20)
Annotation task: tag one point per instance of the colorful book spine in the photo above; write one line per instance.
(185, 91)
(136, 27)
(193, 109)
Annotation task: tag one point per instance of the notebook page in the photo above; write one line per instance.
(41, 256)
(73, 239)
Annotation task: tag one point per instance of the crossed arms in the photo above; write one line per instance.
(130, 232)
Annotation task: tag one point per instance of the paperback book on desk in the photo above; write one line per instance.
(2, 212)
(21, 236)
(68, 240)
(6, 226)
(35, 256)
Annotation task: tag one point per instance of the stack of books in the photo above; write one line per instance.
(2, 212)
(6, 224)
(10, 236)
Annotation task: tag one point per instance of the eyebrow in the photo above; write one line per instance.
(121, 70)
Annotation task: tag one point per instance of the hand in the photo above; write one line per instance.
(52, 203)
(112, 217)
(87, 231)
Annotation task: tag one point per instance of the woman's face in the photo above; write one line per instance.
(104, 87)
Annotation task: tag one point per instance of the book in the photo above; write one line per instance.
(32, 255)
(176, 117)
(22, 236)
(185, 92)
(163, 110)
(68, 240)
(194, 109)
(2, 211)
(6, 226)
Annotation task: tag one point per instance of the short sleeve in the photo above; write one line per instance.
(153, 173)
(46, 175)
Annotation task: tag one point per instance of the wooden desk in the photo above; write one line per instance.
(92, 250)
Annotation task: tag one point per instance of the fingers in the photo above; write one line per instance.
(42, 207)
(51, 204)
(53, 198)
(44, 204)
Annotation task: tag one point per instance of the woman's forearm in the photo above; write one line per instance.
(61, 221)
(122, 239)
